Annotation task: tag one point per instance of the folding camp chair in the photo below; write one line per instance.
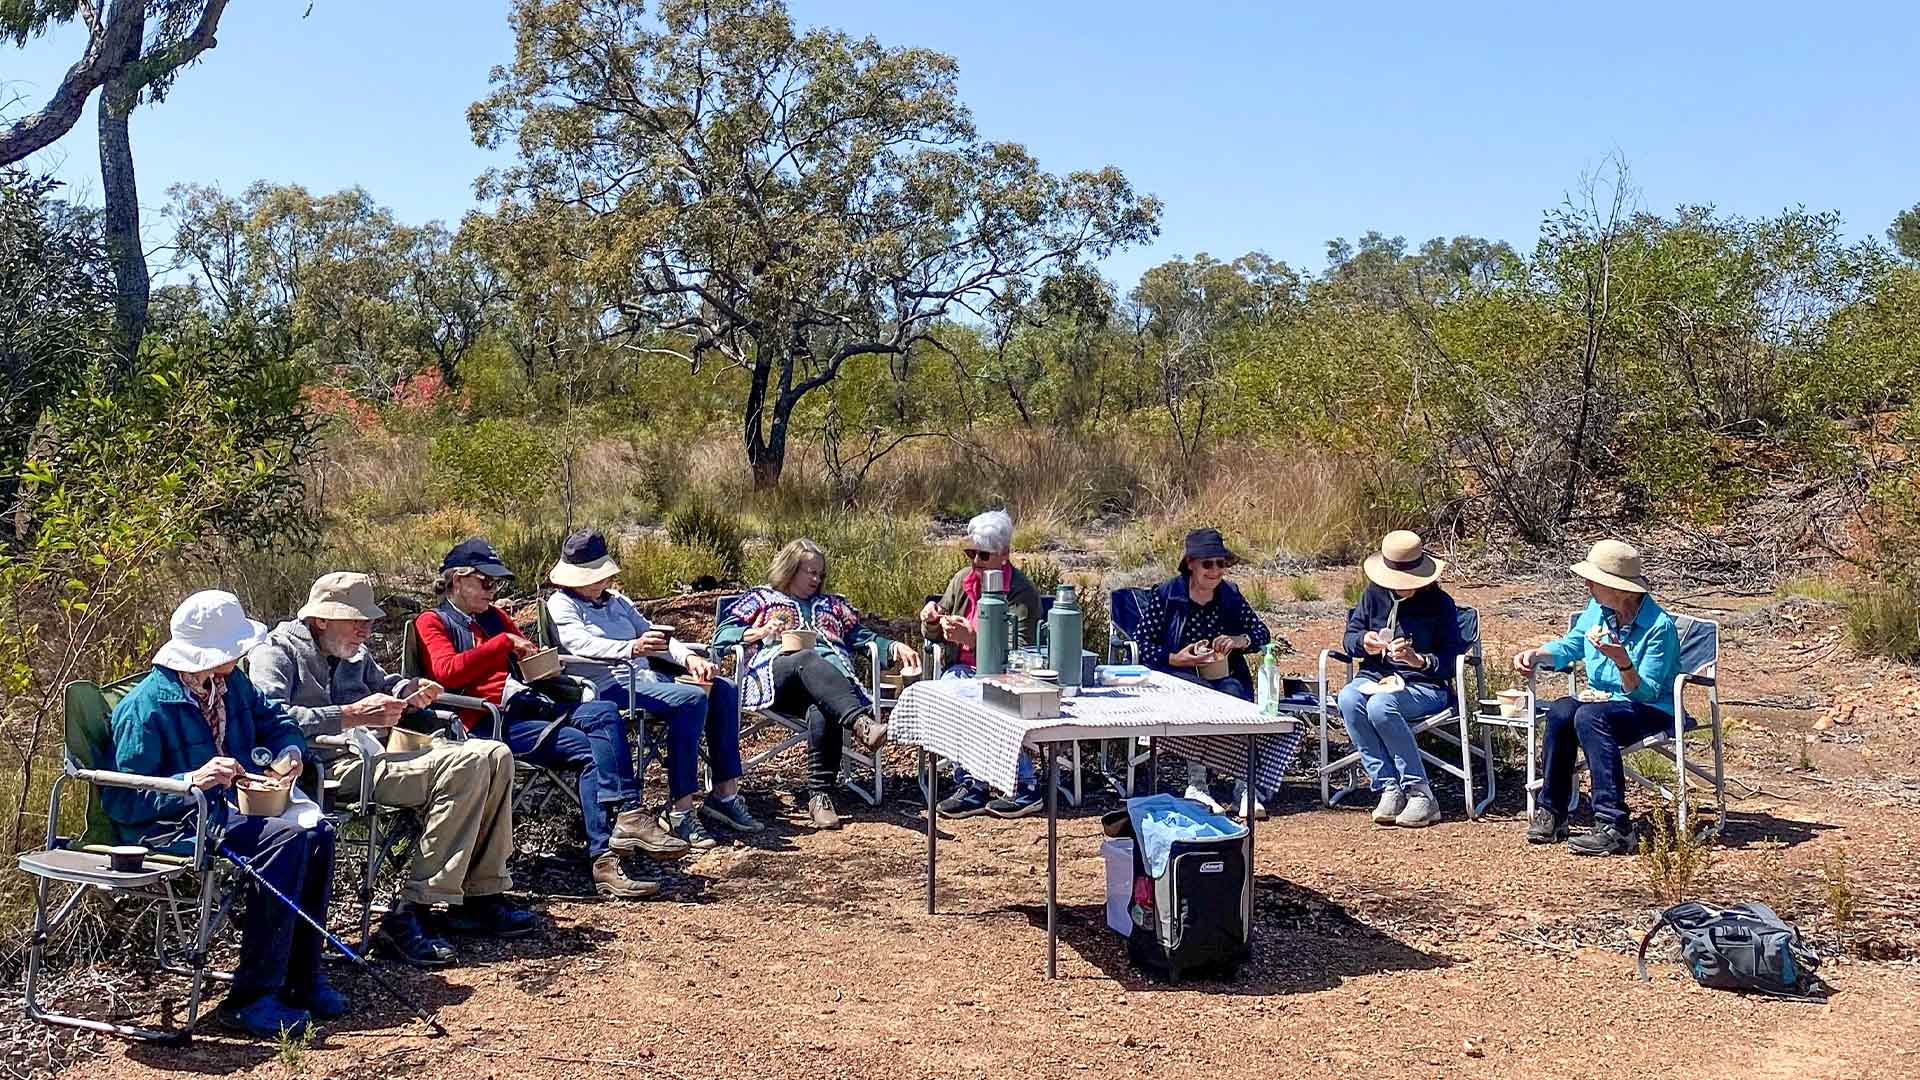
(189, 894)
(534, 786)
(1699, 666)
(883, 696)
(1451, 724)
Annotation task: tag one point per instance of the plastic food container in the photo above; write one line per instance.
(127, 858)
(799, 640)
(1120, 674)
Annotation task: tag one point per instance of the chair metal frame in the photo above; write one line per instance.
(1700, 663)
(191, 897)
(1453, 724)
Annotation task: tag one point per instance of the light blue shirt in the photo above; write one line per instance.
(1652, 643)
(606, 631)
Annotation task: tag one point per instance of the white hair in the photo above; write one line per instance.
(991, 531)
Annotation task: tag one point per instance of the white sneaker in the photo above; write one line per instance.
(1421, 811)
(1392, 801)
(1198, 793)
(1240, 803)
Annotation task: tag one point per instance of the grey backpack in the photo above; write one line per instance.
(1745, 947)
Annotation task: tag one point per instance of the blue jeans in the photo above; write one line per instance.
(1029, 774)
(1381, 728)
(593, 740)
(1599, 728)
(691, 712)
(278, 950)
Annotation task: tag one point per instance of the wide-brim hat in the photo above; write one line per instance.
(584, 561)
(209, 629)
(1206, 544)
(341, 595)
(1403, 562)
(1614, 563)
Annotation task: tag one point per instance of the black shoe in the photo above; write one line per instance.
(968, 802)
(1018, 804)
(1603, 840)
(1545, 828)
(491, 916)
(403, 938)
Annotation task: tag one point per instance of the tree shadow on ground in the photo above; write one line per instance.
(1303, 941)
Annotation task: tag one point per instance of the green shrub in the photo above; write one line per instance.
(1356, 587)
(1885, 621)
(504, 466)
(650, 566)
(1303, 588)
(696, 523)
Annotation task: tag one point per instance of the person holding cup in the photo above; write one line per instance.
(318, 664)
(1405, 632)
(594, 620)
(196, 717)
(798, 662)
(1630, 648)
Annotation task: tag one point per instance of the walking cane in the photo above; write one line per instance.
(393, 991)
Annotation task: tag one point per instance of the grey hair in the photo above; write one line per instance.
(991, 531)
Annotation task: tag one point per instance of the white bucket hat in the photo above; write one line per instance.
(1403, 562)
(1615, 563)
(341, 595)
(209, 629)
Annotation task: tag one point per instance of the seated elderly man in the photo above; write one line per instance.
(317, 662)
(953, 619)
(197, 718)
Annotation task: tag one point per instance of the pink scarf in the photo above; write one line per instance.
(211, 695)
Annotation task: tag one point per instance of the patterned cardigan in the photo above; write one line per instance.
(829, 613)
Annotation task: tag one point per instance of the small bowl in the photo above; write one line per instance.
(262, 798)
(1215, 669)
(1044, 674)
(1513, 704)
(408, 741)
(799, 640)
(544, 664)
(127, 858)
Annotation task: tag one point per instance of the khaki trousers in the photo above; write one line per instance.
(463, 792)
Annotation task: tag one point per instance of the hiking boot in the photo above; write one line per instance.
(1018, 804)
(730, 814)
(1392, 801)
(265, 1017)
(1240, 803)
(610, 880)
(870, 731)
(403, 938)
(1602, 840)
(1545, 828)
(821, 812)
(969, 801)
(687, 827)
(322, 1000)
(1421, 811)
(637, 830)
(491, 916)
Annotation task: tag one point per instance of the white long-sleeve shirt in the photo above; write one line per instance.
(606, 631)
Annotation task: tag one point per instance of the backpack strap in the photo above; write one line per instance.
(1640, 963)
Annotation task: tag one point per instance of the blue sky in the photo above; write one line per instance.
(1269, 126)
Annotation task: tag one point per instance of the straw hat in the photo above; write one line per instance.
(209, 629)
(341, 595)
(1614, 563)
(583, 561)
(1403, 562)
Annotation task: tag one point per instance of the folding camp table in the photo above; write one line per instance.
(947, 718)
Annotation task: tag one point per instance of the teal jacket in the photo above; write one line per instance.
(1653, 643)
(158, 730)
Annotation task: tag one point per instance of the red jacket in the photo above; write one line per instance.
(480, 671)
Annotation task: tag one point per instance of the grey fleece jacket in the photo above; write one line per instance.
(289, 666)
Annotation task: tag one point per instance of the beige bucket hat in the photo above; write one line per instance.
(1403, 562)
(341, 595)
(1615, 563)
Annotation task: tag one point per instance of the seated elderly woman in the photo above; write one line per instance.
(593, 620)
(1631, 650)
(817, 683)
(469, 644)
(1196, 626)
(1406, 633)
(952, 619)
(318, 664)
(197, 718)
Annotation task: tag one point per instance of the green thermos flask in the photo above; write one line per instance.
(990, 629)
(1063, 640)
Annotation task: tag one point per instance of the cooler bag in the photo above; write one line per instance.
(1193, 919)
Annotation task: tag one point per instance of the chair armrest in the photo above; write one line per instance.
(1697, 680)
(463, 701)
(1334, 654)
(164, 785)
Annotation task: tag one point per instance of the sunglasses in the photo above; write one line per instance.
(1211, 564)
(490, 584)
(976, 556)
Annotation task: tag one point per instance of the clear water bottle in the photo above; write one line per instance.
(1268, 691)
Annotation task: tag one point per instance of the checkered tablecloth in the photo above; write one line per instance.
(948, 717)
